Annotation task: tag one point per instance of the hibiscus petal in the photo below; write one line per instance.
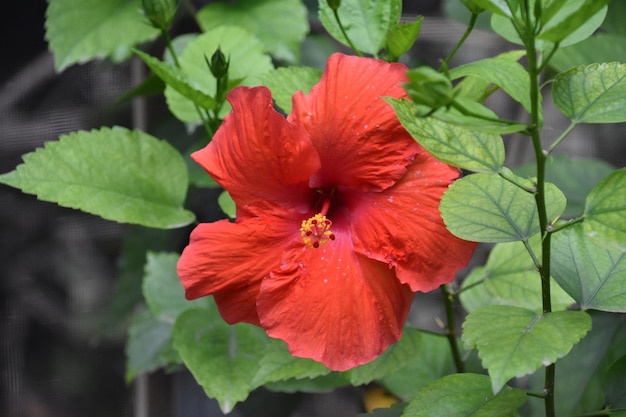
(257, 155)
(333, 305)
(230, 260)
(402, 226)
(360, 141)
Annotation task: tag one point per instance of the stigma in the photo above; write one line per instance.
(316, 231)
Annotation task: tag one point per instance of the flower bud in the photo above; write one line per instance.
(334, 4)
(160, 12)
(472, 7)
(219, 64)
(429, 87)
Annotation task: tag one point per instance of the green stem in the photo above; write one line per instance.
(170, 47)
(549, 57)
(535, 394)
(470, 113)
(568, 223)
(540, 196)
(345, 34)
(450, 331)
(563, 135)
(468, 30)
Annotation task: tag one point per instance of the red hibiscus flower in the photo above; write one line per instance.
(337, 217)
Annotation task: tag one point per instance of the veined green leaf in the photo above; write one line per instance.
(162, 289)
(176, 79)
(605, 211)
(505, 8)
(464, 395)
(503, 71)
(602, 47)
(582, 373)
(431, 360)
(223, 359)
(366, 22)
(279, 24)
(278, 364)
(465, 148)
(285, 81)
(514, 342)
(149, 345)
(592, 94)
(247, 58)
(574, 176)
(510, 277)
(593, 275)
(394, 358)
(488, 208)
(401, 37)
(80, 30)
(503, 27)
(570, 17)
(118, 174)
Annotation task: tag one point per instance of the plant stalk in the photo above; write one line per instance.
(450, 330)
(540, 198)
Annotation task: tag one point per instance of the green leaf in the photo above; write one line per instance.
(605, 210)
(431, 360)
(285, 81)
(616, 384)
(227, 204)
(80, 30)
(118, 174)
(279, 24)
(322, 383)
(514, 342)
(582, 374)
(503, 27)
(470, 115)
(614, 22)
(592, 94)
(162, 288)
(509, 277)
(401, 37)
(394, 358)
(247, 58)
(464, 395)
(570, 17)
(602, 47)
(501, 7)
(148, 346)
(176, 79)
(574, 176)
(278, 364)
(366, 22)
(488, 208)
(468, 149)
(593, 275)
(503, 71)
(223, 359)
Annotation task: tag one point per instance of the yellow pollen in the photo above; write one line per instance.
(316, 232)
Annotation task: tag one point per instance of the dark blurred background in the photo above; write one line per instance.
(61, 342)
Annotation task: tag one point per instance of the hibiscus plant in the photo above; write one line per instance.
(348, 189)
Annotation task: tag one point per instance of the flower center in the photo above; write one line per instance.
(316, 231)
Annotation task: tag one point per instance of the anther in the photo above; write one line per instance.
(316, 232)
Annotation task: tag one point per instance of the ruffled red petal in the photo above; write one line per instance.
(230, 260)
(334, 305)
(360, 141)
(257, 155)
(402, 226)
